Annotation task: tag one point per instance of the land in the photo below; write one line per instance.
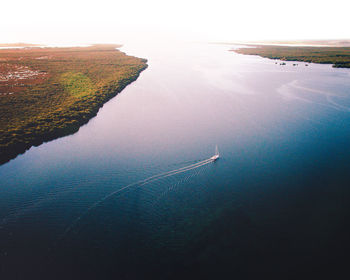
(338, 56)
(300, 43)
(315, 43)
(46, 93)
(18, 45)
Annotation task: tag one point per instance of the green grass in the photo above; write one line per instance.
(77, 84)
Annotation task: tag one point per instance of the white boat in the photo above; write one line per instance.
(217, 155)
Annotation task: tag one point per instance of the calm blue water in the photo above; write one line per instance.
(277, 200)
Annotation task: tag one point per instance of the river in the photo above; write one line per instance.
(277, 199)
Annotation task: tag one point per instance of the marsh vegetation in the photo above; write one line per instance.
(46, 93)
(338, 56)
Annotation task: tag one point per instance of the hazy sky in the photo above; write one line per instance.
(84, 21)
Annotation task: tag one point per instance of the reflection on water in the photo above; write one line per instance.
(277, 200)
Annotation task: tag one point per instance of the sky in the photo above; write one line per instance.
(104, 21)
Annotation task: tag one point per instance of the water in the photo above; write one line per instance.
(275, 201)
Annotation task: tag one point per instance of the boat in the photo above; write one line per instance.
(217, 155)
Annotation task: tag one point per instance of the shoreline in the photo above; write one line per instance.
(67, 120)
(338, 57)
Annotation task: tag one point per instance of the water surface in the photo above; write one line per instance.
(276, 201)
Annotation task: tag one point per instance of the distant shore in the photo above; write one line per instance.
(47, 93)
(18, 45)
(339, 57)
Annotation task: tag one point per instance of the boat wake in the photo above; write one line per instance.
(138, 184)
